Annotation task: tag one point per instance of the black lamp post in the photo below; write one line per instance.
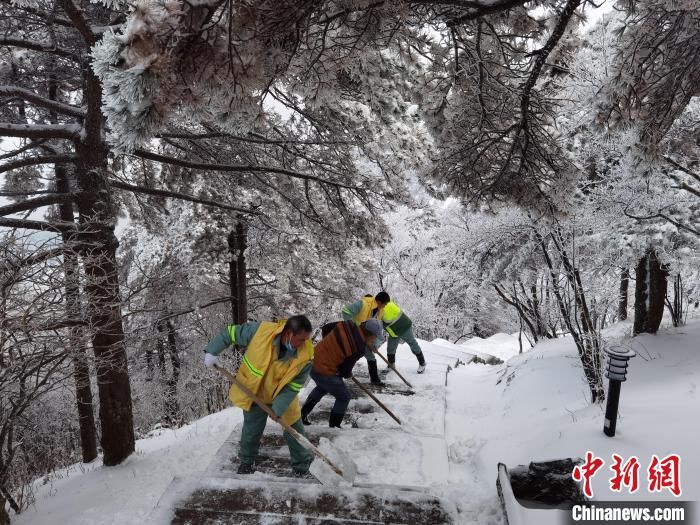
(616, 372)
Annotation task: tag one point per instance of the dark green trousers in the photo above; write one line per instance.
(254, 421)
(407, 337)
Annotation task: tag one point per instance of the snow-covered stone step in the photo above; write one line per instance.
(210, 501)
(363, 412)
(397, 465)
(389, 388)
(271, 465)
(382, 456)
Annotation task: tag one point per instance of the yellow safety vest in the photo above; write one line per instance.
(389, 315)
(265, 375)
(368, 304)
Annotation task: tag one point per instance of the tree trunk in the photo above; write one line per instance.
(586, 339)
(149, 364)
(104, 314)
(81, 369)
(522, 310)
(168, 342)
(624, 287)
(678, 300)
(4, 516)
(173, 407)
(541, 329)
(591, 338)
(97, 221)
(160, 349)
(675, 308)
(520, 336)
(649, 294)
(237, 243)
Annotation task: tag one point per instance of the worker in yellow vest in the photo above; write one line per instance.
(400, 328)
(361, 311)
(275, 367)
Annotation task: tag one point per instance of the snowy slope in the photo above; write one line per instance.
(126, 494)
(533, 407)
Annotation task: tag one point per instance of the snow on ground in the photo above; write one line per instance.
(503, 346)
(126, 494)
(533, 407)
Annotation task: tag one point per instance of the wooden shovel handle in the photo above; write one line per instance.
(370, 394)
(394, 369)
(301, 439)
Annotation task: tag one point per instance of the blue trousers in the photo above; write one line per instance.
(332, 385)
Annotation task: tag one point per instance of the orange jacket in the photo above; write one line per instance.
(338, 352)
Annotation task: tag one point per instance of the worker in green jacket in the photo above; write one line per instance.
(361, 311)
(399, 327)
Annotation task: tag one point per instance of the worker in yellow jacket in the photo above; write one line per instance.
(362, 310)
(275, 367)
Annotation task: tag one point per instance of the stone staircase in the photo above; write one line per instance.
(399, 467)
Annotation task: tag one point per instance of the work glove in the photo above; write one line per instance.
(210, 360)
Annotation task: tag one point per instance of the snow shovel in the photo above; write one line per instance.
(370, 394)
(347, 474)
(394, 369)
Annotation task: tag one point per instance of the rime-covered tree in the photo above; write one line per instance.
(54, 108)
(35, 359)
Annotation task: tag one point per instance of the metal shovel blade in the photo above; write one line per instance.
(325, 474)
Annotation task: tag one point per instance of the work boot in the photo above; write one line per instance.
(373, 374)
(306, 410)
(392, 359)
(303, 474)
(246, 468)
(335, 419)
(421, 363)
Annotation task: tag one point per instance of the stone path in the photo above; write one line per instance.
(397, 465)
